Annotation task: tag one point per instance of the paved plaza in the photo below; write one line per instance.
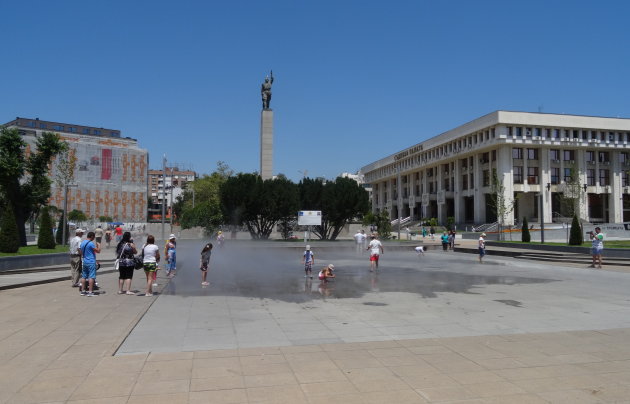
(439, 328)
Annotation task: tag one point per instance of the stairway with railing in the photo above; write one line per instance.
(487, 227)
(401, 221)
(558, 218)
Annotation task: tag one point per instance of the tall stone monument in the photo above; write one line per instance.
(266, 130)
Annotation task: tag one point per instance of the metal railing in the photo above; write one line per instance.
(558, 218)
(487, 227)
(401, 221)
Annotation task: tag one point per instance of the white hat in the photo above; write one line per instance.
(331, 266)
(308, 247)
(172, 236)
(483, 234)
(78, 231)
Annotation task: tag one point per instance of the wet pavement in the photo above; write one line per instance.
(277, 274)
(258, 297)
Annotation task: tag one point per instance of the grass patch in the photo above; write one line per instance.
(607, 243)
(33, 250)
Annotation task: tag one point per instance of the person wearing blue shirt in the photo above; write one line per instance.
(88, 250)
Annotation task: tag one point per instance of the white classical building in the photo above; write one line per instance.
(534, 155)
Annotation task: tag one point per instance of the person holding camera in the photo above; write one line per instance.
(597, 239)
(88, 250)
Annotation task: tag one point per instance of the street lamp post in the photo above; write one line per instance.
(398, 198)
(170, 187)
(163, 193)
(542, 220)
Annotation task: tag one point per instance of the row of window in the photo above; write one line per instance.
(591, 156)
(532, 178)
(519, 177)
(583, 134)
(513, 131)
(71, 129)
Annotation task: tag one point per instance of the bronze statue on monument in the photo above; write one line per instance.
(265, 90)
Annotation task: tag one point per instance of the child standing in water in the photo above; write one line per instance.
(205, 261)
(171, 257)
(308, 260)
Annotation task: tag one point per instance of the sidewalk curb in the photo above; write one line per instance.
(44, 281)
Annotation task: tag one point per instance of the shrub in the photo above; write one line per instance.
(46, 239)
(525, 236)
(59, 235)
(450, 223)
(9, 235)
(575, 238)
(383, 225)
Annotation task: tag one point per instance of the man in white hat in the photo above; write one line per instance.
(75, 258)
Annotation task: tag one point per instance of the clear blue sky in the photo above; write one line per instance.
(355, 80)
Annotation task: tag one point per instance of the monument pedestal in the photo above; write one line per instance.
(266, 144)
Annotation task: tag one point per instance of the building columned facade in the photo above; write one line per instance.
(110, 177)
(583, 160)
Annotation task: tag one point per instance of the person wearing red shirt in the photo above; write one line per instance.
(119, 233)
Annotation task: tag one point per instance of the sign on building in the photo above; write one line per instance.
(310, 218)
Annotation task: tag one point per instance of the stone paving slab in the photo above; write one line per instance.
(56, 346)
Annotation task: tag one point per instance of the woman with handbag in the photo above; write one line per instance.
(126, 264)
(151, 257)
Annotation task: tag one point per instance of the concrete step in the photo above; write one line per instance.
(104, 263)
(560, 257)
(584, 260)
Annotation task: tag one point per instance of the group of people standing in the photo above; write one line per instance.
(150, 255)
(83, 263)
(448, 240)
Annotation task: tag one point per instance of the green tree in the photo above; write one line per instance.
(204, 209)
(499, 202)
(24, 180)
(450, 222)
(77, 216)
(9, 235)
(339, 201)
(287, 226)
(105, 219)
(382, 223)
(46, 239)
(59, 233)
(576, 237)
(571, 195)
(525, 236)
(257, 204)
